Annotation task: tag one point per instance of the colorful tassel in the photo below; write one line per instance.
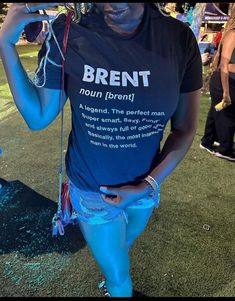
(66, 215)
(66, 206)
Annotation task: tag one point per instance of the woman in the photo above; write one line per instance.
(220, 125)
(128, 71)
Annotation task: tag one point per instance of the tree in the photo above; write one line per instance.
(3, 11)
(183, 7)
(198, 13)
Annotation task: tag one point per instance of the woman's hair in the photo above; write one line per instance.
(161, 8)
(229, 26)
(79, 9)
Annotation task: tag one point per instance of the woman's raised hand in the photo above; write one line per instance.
(18, 17)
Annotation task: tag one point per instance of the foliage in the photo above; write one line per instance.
(181, 7)
(3, 11)
(198, 13)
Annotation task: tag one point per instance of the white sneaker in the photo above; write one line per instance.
(207, 148)
(230, 157)
(102, 286)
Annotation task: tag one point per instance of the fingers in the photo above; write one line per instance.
(109, 191)
(111, 200)
(34, 14)
(40, 6)
(226, 103)
(110, 195)
(39, 17)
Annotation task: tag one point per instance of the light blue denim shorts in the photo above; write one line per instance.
(89, 206)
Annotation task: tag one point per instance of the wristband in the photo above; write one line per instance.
(154, 186)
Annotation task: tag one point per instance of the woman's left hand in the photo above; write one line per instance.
(124, 196)
(227, 101)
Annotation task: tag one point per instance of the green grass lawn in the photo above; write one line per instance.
(188, 248)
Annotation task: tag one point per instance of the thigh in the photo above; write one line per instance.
(107, 243)
(138, 219)
(90, 208)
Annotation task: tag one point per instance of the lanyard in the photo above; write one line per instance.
(65, 40)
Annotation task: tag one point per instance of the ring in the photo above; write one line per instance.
(26, 4)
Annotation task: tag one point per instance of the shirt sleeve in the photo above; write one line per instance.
(52, 72)
(192, 74)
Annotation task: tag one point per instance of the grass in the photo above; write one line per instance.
(188, 248)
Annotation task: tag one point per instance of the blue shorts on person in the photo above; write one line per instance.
(92, 209)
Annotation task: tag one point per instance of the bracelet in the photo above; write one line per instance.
(154, 186)
(157, 185)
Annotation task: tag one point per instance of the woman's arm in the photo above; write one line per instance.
(35, 107)
(184, 126)
(227, 50)
(38, 106)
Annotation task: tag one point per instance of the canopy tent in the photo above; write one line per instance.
(214, 15)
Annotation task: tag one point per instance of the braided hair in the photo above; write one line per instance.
(79, 10)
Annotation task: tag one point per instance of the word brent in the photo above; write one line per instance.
(115, 78)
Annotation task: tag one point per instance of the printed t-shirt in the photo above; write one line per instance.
(123, 91)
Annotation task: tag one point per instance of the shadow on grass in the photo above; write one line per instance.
(25, 223)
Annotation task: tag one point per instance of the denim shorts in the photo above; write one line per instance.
(90, 207)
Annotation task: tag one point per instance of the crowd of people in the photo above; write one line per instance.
(212, 46)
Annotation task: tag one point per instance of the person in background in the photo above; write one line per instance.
(129, 70)
(217, 38)
(204, 38)
(206, 57)
(220, 125)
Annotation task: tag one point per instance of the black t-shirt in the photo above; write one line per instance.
(123, 91)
